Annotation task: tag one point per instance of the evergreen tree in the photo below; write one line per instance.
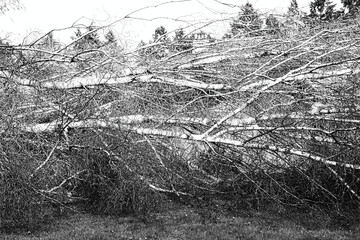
(293, 10)
(330, 13)
(92, 37)
(80, 43)
(295, 18)
(272, 24)
(161, 50)
(48, 41)
(144, 51)
(78, 33)
(110, 37)
(141, 51)
(322, 10)
(352, 6)
(179, 34)
(181, 42)
(88, 40)
(160, 35)
(248, 21)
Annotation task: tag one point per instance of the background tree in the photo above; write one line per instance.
(248, 21)
(293, 9)
(322, 10)
(352, 6)
(160, 35)
(86, 46)
(181, 42)
(161, 41)
(7, 5)
(88, 40)
(145, 51)
(272, 24)
(142, 52)
(110, 37)
(179, 34)
(49, 42)
(295, 19)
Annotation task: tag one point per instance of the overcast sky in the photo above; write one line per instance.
(41, 16)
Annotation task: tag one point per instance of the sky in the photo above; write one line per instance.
(135, 20)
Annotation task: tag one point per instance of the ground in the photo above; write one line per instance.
(189, 223)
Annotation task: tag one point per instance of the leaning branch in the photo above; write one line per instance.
(173, 133)
(93, 81)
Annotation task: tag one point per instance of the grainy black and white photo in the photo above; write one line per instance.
(180, 119)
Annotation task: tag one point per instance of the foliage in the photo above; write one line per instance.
(88, 40)
(110, 37)
(22, 205)
(86, 46)
(8, 56)
(179, 34)
(295, 19)
(323, 10)
(143, 51)
(352, 6)
(247, 22)
(158, 48)
(160, 35)
(49, 41)
(293, 10)
(109, 188)
(181, 42)
(272, 25)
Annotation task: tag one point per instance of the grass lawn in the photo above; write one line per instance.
(189, 223)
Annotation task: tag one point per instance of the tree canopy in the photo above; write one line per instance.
(351, 5)
(247, 22)
(323, 10)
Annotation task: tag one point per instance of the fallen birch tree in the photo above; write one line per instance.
(191, 121)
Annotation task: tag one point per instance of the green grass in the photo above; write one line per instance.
(188, 223)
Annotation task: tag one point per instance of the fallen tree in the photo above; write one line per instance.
(241, 115)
